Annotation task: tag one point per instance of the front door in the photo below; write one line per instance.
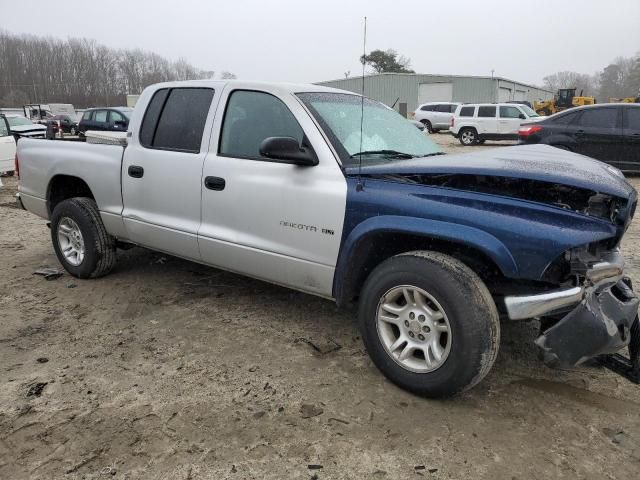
(630, 160)
(263, 218)
(599, 134)
(162, 171)
(509, 121)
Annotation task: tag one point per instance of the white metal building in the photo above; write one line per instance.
(408, 90)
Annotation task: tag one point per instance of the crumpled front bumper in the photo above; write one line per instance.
(600, 324)
(600, 314)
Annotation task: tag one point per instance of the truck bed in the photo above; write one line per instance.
(43, 161)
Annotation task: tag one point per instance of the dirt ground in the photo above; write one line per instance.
(171, 370)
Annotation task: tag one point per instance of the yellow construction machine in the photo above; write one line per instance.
(565, 98)
(625, 100)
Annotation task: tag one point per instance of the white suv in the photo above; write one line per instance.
(435, 116)
(475, 123)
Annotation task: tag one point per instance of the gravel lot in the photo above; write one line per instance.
(171, 370)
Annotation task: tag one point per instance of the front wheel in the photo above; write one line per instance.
(429, 323)
(82, 244)
(468, 136)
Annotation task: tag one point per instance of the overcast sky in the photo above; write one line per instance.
(309, 41)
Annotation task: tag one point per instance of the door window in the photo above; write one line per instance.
(4, 130)
(251, 117)
(100, 116)
(487, 112)
(175, 119)
(87, 115)
(116, 117)
(443, 108)
(427, 108)
(599, 118)
(467, 111)
(452, 108)
(633, 119)
(509, 112)
(565, 119)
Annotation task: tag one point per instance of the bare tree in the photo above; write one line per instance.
(80, 71)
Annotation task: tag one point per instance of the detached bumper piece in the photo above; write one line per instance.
(600, 325)
(629, 368)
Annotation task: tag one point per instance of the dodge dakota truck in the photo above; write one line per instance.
(336, 195)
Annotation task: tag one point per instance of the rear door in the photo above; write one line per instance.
(442, 115)
(99, 120)
(162, 170)
(599, 134)
(630, 160)
(7, 147)
(487, 122)
(509, 120)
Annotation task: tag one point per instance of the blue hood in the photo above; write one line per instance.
(531, 162)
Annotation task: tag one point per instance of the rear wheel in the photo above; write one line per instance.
(427, 125)
(468, 136)
(429, 323)
(82, 244)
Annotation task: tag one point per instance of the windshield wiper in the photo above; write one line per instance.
(386, 153)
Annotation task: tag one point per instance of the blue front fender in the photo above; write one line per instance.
(434, 229)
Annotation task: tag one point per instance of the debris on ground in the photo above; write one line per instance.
(48, 273)
(42, 359)
(308, 410)
(322, 346)
(35, 390)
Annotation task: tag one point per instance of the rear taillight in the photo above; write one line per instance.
(529, 130)
(452, 122)
(16, 164)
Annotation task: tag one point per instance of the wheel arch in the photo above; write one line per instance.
(62, 187)
(379, 238)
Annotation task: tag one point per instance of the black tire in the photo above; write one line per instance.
(481, 141)
(435, 130)
(474, 322)
(100, 249)
(427, 125)
(468, 136)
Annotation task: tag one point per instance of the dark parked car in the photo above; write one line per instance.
(113, 119)
(608, 132)
(521, 102)
(68, 124)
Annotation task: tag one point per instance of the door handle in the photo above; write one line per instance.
(135, 171)
(214, 183)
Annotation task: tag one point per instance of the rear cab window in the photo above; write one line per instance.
(175, 119)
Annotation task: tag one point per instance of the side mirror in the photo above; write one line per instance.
(288, 150)
(522, 116)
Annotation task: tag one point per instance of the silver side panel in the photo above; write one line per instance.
(281, 223)
(34, 205)
(98, 165)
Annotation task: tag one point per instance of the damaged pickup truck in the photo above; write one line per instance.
(325, 192)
